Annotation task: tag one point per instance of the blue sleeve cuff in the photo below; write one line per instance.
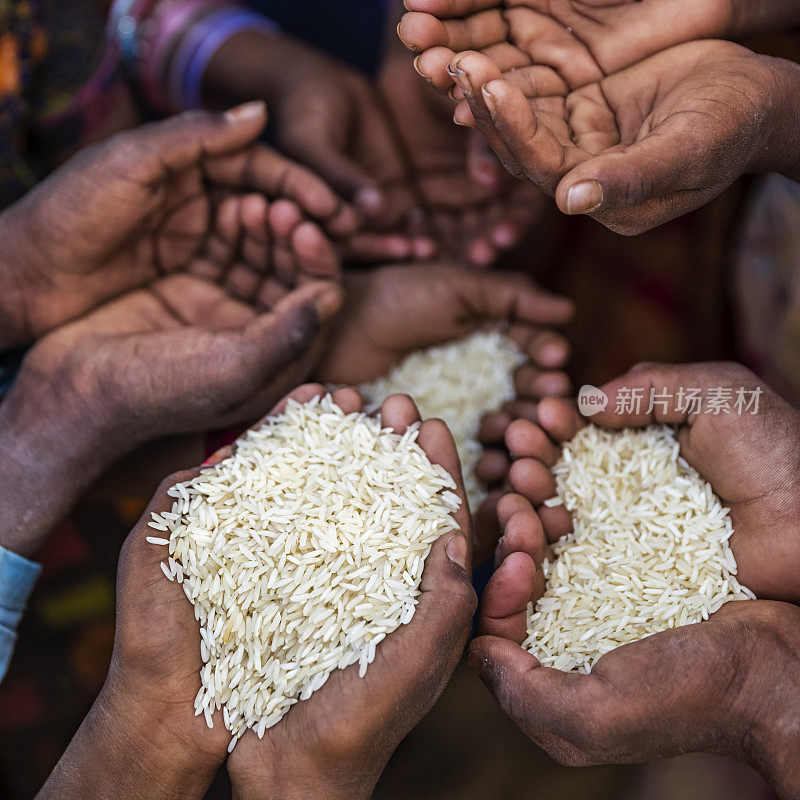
(17, 578)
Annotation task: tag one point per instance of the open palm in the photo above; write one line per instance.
(158, 200)
(580, 40)
(641, 146)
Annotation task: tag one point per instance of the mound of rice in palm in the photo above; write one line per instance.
(300, 553)
(649, 548)
(458, 382)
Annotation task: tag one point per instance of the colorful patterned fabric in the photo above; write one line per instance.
(60, 87)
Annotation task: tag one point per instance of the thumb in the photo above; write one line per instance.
(274, 340)
(541, 700)
(645, 174)
(150, 153)
(316, 134)
(518, 298)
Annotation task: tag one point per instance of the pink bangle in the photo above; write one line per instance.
(163, 31)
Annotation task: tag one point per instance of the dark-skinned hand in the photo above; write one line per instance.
(392, 311)
(151, 202)
(707, 687)
(634, 148)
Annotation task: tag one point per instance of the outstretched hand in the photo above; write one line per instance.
(164, 198)
(336, 743)
(704, 687)
(750, 459)
(644, 145)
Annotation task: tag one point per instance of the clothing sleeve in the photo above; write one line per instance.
(17, 578)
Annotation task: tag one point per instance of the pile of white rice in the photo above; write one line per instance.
(649, 548)
(458, 382)
(300, 553)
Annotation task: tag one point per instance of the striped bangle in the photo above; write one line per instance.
(200, 46)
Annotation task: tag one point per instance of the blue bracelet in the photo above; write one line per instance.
(219, 27)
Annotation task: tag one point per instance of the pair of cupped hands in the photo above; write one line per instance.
(631, 112)
(730, 685)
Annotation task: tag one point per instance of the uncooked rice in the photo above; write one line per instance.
(301, 553)
(649, 548)
(458, 382)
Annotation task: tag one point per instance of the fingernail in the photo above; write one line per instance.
(328, 303)
(370, 199)
(246, 111)
(490, 100)
(418, 70)
(584, 197)
(476, 661)
(400, 37)
(457, 550)
(505, 235)
(458, 121)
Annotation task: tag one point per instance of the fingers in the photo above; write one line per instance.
(152, 153)
(420, 31)
(504, 606)
(518, 579)
(533, 146)
(516, 298)
(317, 134)
(263, 169)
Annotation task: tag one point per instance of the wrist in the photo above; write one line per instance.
(50, 452)
(15, 327)
(251, 65)
(123, 750)
(767, 702)
(253, 779)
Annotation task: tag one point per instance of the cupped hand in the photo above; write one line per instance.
(181, 355)
(706, 687)
(329, 117)
(155, 668)
(750, 459)
(645, 144)
(152, 201)
(336, 743)
(391, 311)
(582, 41)
(474, 209)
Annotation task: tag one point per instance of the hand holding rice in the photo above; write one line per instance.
(649, 548)
(301, 552)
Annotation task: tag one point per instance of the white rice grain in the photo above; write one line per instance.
(649, 549)
(458, 382)
(295, 552)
